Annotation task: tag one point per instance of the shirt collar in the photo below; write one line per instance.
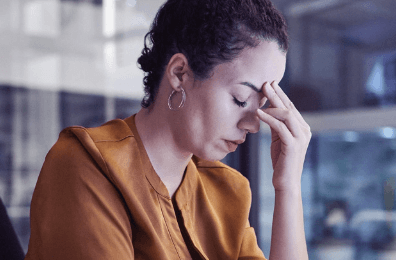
(189, 185)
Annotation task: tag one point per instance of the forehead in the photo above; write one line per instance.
(263, 63)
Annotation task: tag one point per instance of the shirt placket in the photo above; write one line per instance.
(186, 213)
(173, 228)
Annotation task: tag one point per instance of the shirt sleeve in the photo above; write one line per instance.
(76, 211)
(249, 248)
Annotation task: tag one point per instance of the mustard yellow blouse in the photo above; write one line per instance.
(98, 197)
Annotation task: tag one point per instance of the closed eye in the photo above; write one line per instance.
(240, 103)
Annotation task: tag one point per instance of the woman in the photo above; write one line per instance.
(151, 186)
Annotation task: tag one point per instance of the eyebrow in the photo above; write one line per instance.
(250, 85)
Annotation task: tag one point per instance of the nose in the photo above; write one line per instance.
(249, 122)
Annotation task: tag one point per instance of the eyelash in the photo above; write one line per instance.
(239, 103)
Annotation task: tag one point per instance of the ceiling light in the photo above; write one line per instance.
(388, 133)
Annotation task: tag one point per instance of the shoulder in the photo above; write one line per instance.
(101, 144)
(75, 197)
(112, 131)
(221, 179)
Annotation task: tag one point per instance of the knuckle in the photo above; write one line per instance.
(288, 113)
(309, 133)
(281, 126)
(306, 129)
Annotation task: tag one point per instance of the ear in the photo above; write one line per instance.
(177, 71)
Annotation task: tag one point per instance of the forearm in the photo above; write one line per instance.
(290, 136)
(288, 236)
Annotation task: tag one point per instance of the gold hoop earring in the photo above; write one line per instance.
(181, 105)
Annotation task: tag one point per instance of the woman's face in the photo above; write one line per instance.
(219, 111)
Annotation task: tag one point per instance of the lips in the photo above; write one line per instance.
(233, 145)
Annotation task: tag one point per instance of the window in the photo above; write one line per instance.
(348, 187)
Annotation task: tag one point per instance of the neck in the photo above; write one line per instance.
(166, 156)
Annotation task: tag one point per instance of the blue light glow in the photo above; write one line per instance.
(351, 136)
(388, 133)
(376, 81)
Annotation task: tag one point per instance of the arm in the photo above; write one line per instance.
(288, 237)
(76, 212)
(290, 136)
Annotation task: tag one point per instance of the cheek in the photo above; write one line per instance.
(223, 115)
(212, 116)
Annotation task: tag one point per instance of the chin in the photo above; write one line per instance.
(212, 156)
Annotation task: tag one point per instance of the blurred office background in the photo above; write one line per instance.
(73, 62)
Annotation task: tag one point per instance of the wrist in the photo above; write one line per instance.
(286, 184)
(288, 189)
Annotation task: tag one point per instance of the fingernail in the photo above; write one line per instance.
(263, 102)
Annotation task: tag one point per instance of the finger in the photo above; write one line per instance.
(263, 101)
(282, 96)
(271, 95)
(279, 127)
(287, 102)
(274, 136)
(299, 116)
(287, 117)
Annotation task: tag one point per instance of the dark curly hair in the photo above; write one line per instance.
(207, 32)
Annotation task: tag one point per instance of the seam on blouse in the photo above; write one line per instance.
(159, 194)
(101, 157)
(167, 228)
(110, 175)
(103, 141)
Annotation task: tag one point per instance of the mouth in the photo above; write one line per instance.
(233, 145)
